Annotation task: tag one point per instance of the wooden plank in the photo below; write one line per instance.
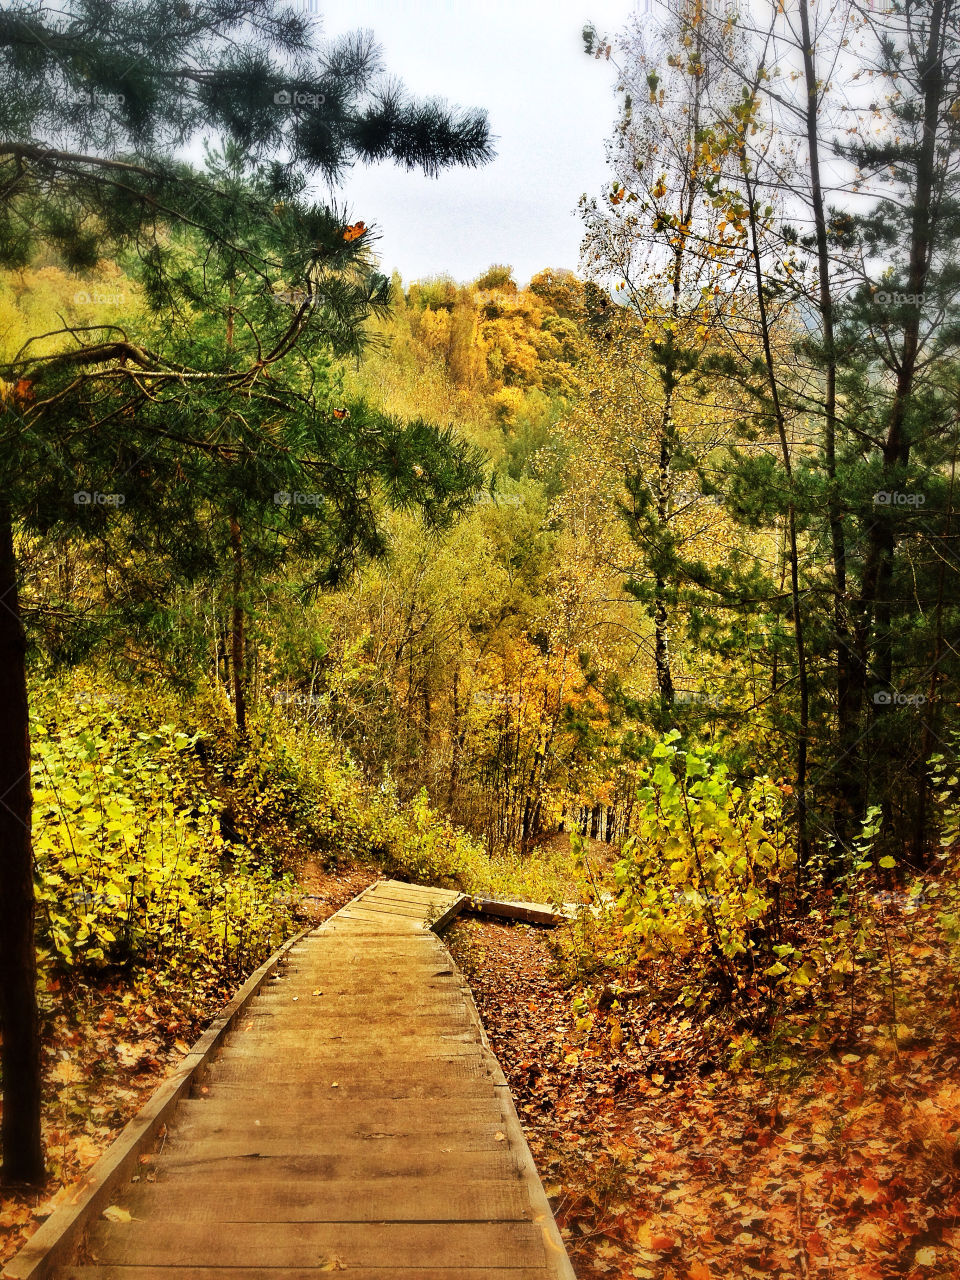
(446, 1063)
(366, 1163)
(474, 1132)
(321, 1010)
(222, 1108)
(402, 1199)
(319, 1034)
(264, 1269)
(328, 1142)
(424, 904)
(335, 991)
(403, 886)
(389, 906)
(316, 1005)
(356, 972)
(363, 909)
(529, 912)
(408, 1038)
(306, 1244)
(379, 1089)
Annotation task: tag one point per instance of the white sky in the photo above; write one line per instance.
(550, 106)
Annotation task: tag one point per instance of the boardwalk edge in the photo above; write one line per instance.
(553, 1243)
(51, 1243)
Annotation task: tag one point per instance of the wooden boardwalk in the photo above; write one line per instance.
(356, 1120)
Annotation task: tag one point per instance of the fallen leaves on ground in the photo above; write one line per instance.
(664, 1165)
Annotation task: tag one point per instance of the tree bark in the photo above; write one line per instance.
(22, 1145)
(803, 729)
(849, 804)
(237, 642)
(871, 651)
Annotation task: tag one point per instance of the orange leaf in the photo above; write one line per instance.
(816, 1246)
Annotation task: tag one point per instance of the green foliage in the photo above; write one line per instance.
(945, 778)
(701, 878)
(131, 866)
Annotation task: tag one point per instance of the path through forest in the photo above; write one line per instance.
(355, 1119)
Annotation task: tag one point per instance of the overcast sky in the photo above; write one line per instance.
(551, 109)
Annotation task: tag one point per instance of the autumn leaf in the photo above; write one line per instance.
(115, 1214)
(65, 1072)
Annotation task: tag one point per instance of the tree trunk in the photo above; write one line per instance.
(19, 1016)
(803, 729)
(850, 805)
(237, 642)
(930, 733)
(871, 650)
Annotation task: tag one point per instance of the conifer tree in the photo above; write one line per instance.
(99, 108)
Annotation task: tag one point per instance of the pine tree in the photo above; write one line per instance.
(99, 106)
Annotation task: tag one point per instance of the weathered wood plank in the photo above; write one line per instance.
(264, 1271)
(325, 1132)
(322, 1033)
(376, 1089)
(308, 1244)
(365, 1162)
(397, 1199)
(408, 1042)
(442, 1064)
(393, 1149)
(528, 912)
(220, 1108)
(328, 996)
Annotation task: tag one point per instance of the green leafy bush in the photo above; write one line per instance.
(701, 879)
(131, 865)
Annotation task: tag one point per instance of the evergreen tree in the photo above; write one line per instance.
(100, 103)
